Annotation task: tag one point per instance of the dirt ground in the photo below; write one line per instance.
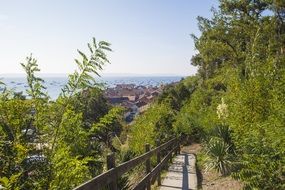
(211, 180)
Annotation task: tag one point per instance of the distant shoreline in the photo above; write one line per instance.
(49, 75)
(55, 84)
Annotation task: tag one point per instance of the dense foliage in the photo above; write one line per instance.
(235, 103)
(59, 144)
(241, 69)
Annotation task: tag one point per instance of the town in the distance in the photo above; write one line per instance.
(135, 99)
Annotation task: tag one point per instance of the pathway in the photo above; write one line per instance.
(181, 174)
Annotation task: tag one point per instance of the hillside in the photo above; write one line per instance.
(233, 108)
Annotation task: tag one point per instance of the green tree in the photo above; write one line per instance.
(155, 123)
(48, 144)
(240, 59)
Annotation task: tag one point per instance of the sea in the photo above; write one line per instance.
(55, 84)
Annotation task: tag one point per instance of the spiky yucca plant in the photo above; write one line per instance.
(218, 156)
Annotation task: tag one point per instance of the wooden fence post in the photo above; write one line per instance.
(170, 149)
(178, 146)
(147, 166)
(179, 142)
(158, 160)
(111, 163)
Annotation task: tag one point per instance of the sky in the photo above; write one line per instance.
(147, 36)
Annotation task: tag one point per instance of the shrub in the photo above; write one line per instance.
(218, 156)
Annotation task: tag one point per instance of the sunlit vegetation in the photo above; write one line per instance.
(235, 103)
(234, 106)
(57, 144)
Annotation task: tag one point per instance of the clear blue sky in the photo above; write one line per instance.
(147, 36)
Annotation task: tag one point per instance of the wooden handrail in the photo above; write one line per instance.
(114, 173)
(153, 174)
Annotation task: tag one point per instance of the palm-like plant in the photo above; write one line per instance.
(224, 133)
(218, 156)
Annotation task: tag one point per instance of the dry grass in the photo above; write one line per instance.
(213, 181)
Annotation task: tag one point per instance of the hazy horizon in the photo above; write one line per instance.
(10, 75)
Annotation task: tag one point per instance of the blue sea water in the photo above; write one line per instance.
(55, 84)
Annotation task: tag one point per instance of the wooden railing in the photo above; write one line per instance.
(110, 177)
